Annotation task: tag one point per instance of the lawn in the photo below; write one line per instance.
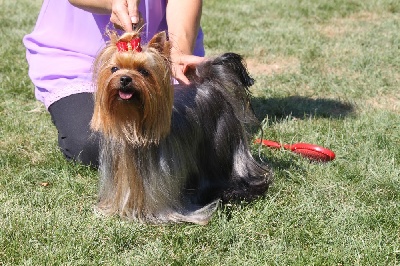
(327, 72)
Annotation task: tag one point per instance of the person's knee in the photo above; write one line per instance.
(81, 149)
(71, 115)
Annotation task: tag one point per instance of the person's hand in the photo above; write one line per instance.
(181, 63)
(124, 13)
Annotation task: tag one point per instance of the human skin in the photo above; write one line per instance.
(183, 19)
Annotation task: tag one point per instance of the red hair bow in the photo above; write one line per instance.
(132, 45)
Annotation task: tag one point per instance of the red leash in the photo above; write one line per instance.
(310, 151)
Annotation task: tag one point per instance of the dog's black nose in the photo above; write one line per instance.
(125, 80)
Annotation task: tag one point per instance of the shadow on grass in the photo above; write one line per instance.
(279, 108)
(300, 107)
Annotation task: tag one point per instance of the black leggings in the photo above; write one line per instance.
(71, 116)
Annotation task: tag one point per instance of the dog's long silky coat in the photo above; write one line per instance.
(197, 151)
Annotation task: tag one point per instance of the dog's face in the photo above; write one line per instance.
(134, 94)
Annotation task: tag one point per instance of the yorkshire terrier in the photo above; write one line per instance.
(170, 153)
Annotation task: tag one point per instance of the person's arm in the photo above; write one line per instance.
(183, 19)
(123, 12)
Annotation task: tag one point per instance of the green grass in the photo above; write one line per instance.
(327, 72)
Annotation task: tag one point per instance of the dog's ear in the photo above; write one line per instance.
(160, 43)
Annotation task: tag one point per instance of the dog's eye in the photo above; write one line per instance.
(143, 71)
(114, 69)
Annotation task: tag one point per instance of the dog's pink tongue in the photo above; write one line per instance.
(125, 95)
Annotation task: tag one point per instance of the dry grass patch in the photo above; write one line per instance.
(274, 66)
(342, 26)
(385, 102)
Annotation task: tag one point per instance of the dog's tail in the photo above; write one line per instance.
(228, 68)
(229, 75)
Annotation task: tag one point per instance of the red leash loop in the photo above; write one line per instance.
(310, 151)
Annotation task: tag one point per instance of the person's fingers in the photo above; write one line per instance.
(182, 79)
(191, 60)
(138, 26)
(177, 73)
(133, 11)
(116, 22)
(182, 63)
(120, 16)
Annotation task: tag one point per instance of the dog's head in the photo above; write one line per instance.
(134, 96)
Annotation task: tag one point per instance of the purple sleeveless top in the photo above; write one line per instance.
(61, 49)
